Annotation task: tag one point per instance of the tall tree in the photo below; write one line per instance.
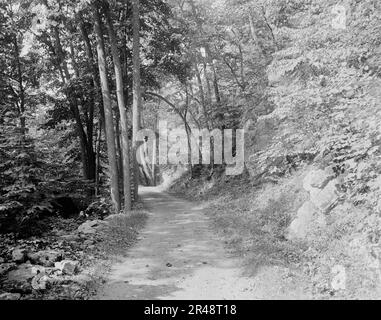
(110, 134)
(122, 111)
(137, 98)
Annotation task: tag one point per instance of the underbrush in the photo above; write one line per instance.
(121, 231)
(338, 260)
(252, 220)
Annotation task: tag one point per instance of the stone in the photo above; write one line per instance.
(349, 94)
(46, 258)
(19, 280)
(19, 255)
(88, 242)
(32, 257)
(326, 198)
(317, 179)
(23, 273)
(70, 237)
(89, 227)
(40, 282)
(10, 296)
(6, 267)
(38, 270)
(339, 278)
(68, 267)
(307, 215)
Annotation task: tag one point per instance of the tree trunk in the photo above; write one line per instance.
(110, 136)
(97, 157)
(137, 99)
(21, 91)
(119, 151)
(91, 61)
(215, 78)
(87, 151)
(202, 95)
(125, 149)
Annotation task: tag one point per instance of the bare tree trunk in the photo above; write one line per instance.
(215, 78)
(145, 168)
(137, 99)
(21, 90)
(110, 136)
(154, 150)
(125, 148)
(86, 149)
(252, 29)
(183, 117)
(92, 62)
(119, 150)
(208, 87)
(202, 95)
(97, 157)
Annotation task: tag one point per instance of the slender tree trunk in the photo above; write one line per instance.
(86, 150)
(21, 90)
(125, 149)
(92, 62)
(202, 95)
(119, 151)
(137, 99)
(215, 77)
(145, 168)
(110, 136)
(97, 158)
(208, 87)
(154, 150)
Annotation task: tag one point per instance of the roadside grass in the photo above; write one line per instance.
(117, 236)
(257, 234)
(121, 231)
(253, 221)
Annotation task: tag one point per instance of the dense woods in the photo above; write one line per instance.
(79, 79)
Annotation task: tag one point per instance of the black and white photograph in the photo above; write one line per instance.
(209, 152)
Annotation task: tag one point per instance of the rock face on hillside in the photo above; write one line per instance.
(321, 188)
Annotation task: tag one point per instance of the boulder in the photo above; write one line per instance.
(300, 225)
(326, 198)
(10, 296)
(70, 237)
(19, 280)
(23, 273)
(46, 258)
(307, 215)
(88, 242)
(317, 179)
(19, 255)
(33, 257)
(68, 267)
(89, 227)
(6, 267)
(38, 270)
(40, 282)
(339, 278)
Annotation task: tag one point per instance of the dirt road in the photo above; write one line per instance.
(180, 257)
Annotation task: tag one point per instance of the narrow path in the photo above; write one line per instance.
(178, 257)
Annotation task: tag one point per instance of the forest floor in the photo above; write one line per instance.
(69, 261)
(180, 255)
